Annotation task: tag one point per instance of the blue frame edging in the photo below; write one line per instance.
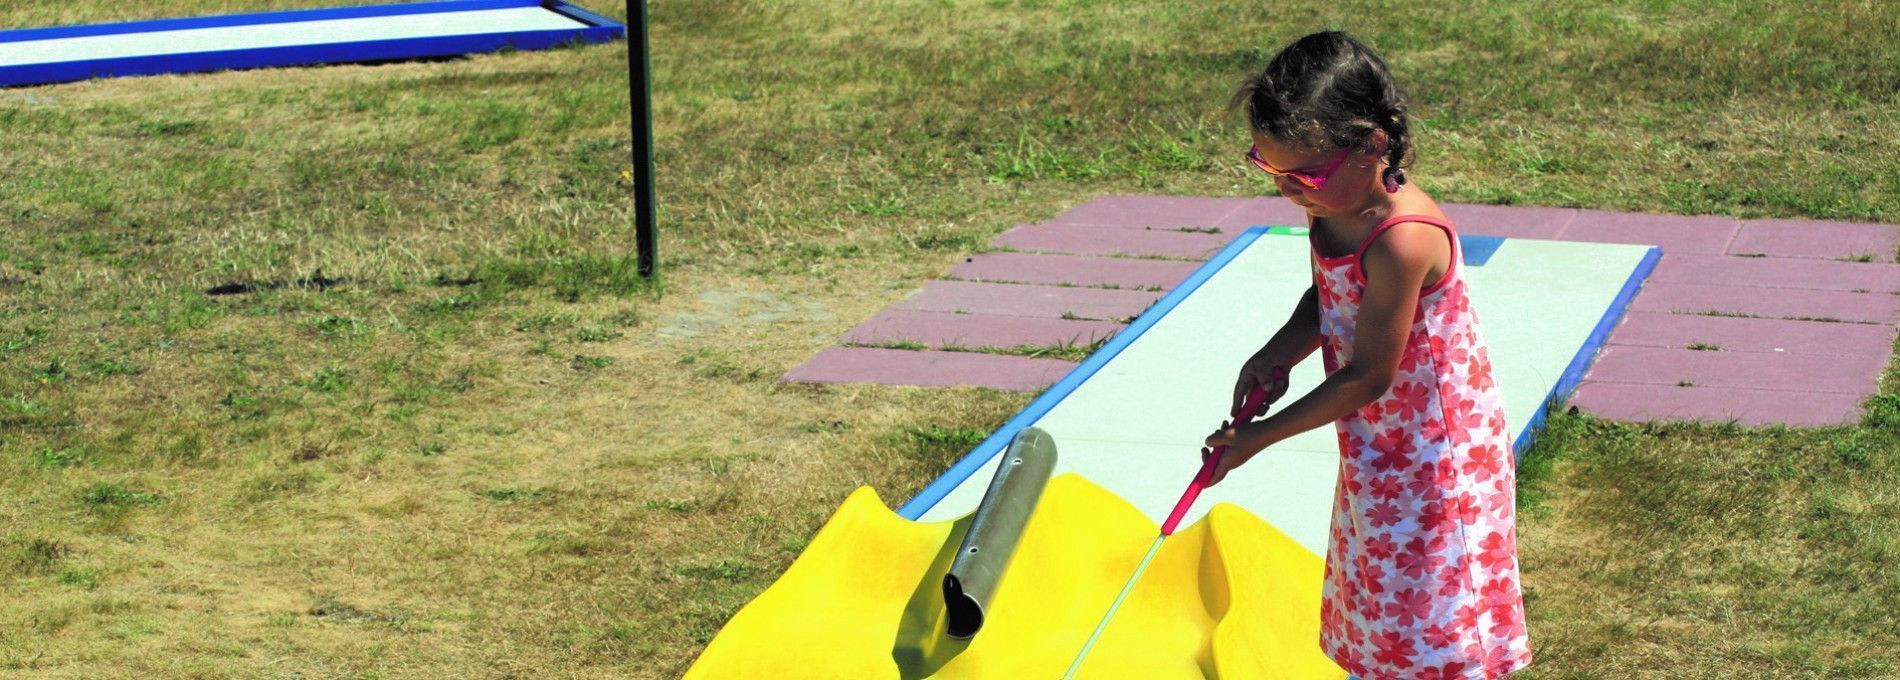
(999, 440)
(600, 30)
(1586, 355)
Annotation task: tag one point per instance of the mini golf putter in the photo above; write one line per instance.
(1255, 400)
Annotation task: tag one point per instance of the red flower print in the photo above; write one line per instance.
(1409, 605)
(1467, 509)
(1395, 450)
(1475, 650)
(1394, 649)
(1373, 411)
(1505, 623)
(1380, 547)
(1478, 372)
(1451, 580)
(1414, 354)
(1387, 488)
(1408, 399)
(1368, 606)
(1496, 423)
(1497, 552)
(1466, 618)
(1372, 580)
(1499, 595)
(1329, 296)
(1431, 430)
(1383, 514)
(1456, 304)
(1437, 636)
(1499, 501)
(1449, 671)
(1416, 561)
(1504, 660)
(1432, 517)
(1452, 354)
(1483, 462)
(1349, 478)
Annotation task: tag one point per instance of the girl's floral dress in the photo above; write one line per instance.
(1421, 572)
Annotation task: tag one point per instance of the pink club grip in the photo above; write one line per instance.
(1255, 400)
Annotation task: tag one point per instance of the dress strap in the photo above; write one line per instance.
(1394, 220)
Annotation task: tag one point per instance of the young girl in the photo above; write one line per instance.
(1421, 573)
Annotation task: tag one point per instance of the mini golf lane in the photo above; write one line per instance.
(1236, 595)
(1134, 424)
(1228, 597)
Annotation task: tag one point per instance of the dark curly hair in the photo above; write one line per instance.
(1327, 89)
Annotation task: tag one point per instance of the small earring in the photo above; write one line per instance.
(1394, 178)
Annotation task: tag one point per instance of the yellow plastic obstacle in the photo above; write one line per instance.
(1229, 597)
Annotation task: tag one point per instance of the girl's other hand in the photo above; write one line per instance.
(1264, 370)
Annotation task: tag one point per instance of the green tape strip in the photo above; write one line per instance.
(1284, 230)
(1130, 585)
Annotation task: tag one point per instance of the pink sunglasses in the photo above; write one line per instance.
(1309, 180)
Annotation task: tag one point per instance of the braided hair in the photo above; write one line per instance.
(1324, 90)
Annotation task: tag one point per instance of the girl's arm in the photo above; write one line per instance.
(1395, 267)
(1296, 339)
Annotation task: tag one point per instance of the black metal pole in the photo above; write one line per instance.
(640, 92)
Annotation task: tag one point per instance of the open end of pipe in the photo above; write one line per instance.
(965, 614)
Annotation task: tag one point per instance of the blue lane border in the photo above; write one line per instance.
(600, 30)
(997, 441)
(1587, 354)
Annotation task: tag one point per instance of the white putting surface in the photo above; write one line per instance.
(435, 24)
(1135, 427)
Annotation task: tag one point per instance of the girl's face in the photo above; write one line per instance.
(1346, 190)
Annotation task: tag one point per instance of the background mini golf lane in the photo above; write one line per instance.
(1134, 426)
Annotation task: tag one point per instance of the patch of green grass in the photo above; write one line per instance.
(582, 362)
(1704, 347)
(54, 372)
(562, 543)
(1066, 351)
(1882, 411)
(722, 570)
(64, 457)
(115, 496)
(111, 367)
(79, 577)
(34, 555)
(912, 345)
(672, 505)
(510, 494)
(329, 380)
(597, 334)
(545, 321)
(339, 326)
(276, 484)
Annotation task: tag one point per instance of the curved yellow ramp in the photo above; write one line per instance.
(1230, 597)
